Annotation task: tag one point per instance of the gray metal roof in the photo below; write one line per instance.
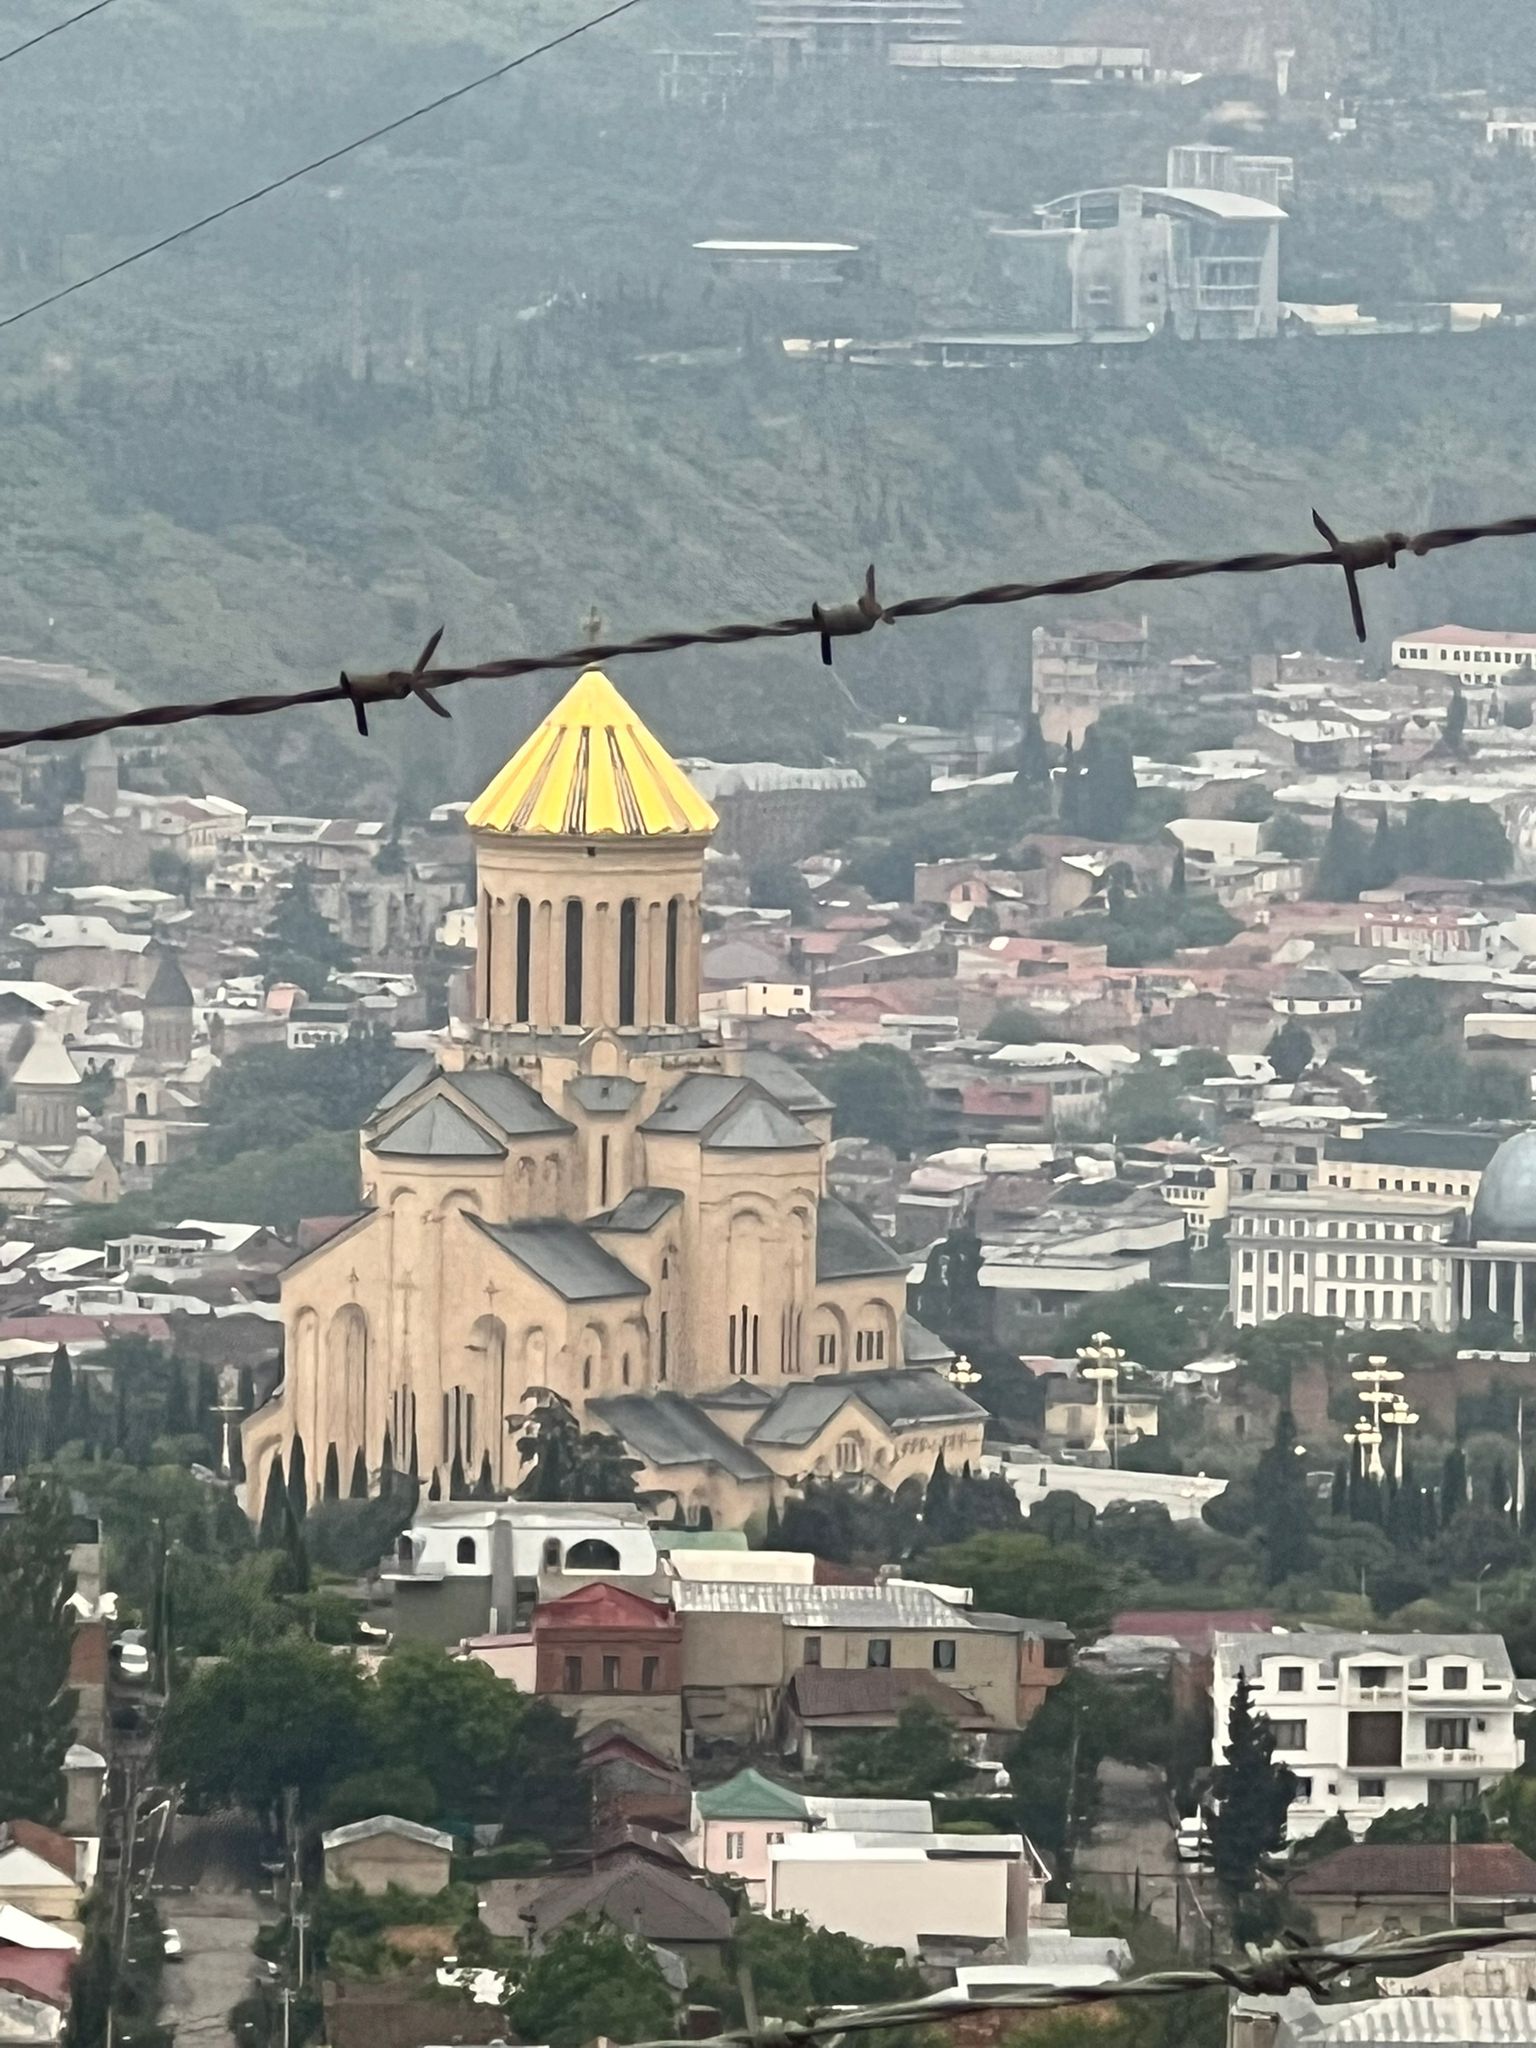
(415, 1076)
(919, 1346)
(566, 1259)
(1327, 1646)
(846, 1247)
(437, 1131)
(692, 1106)
(599, 1092)
(512, 1106)
(899, 1398)
(1457, 2020)
(897, 1603)
(784, 1081)
(665, 1429)
(757, 1124)
(640, 1210)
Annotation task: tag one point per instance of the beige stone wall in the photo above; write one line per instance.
(985, 1664)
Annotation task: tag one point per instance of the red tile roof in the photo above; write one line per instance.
(37, 1972)
(1488, 1870)
(48, 1843)
(874, 1697)
(603, 1607)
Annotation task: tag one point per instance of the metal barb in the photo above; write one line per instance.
(837, 621)
(823, 622)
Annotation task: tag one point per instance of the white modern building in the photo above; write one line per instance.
(1370, 1722)
(1367, 1259)
(922, 1893)
(1467, 654)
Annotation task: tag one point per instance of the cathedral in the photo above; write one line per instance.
(587, 1193)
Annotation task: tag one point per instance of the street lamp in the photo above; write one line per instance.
(961, 1373)
(1373, 1379)
(1366, 1437)
(1101, 1360)
(1402, 1418)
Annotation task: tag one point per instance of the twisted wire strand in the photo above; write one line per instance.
(423, 681)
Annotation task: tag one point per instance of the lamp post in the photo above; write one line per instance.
(1373, 1379)
(1403, 1418)
(1100, 1360)
(961, 1373)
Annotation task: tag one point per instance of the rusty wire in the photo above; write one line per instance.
(1268, 1972)
(823, 622)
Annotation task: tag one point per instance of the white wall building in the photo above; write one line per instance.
(1367, 1259)
(915, 1892)
(1370, 1722)
(1468, 654)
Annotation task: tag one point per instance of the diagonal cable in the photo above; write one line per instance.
(319, 163)
(58, 28)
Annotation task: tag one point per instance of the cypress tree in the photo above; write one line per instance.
(1341, 872)
(435, 1489)
(1498, 1488)
(1178, 883)
(938, 1503)
(771, 1526)
(82, 1418)
(1453, 1485)
(1338, 1499)
(330, 1485)
(1455, 720)
(358, 1490)
(456, 1486)
(298, 1480)
(274, 1507)
(1034, 771)
(178, 1409)
(1285, 1511)
(247, 1394)
(1381, 860)
(120, 1418)
(1255, 1795)
(12, 1448)
(61, 1392)
(485, 1481)
(387, 1465)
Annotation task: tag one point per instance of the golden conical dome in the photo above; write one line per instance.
(592, 769)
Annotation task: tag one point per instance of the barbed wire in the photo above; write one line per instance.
(1267, 1972)
(826, 623)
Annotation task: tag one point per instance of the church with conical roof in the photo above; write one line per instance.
(590, 1194)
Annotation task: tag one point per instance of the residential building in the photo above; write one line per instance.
(1200, 1190)
(798, 30)
(735, 1825)
(588, 1190)
(1371, 1260)
(661, 1904)
(1013, 63)
(1400, 1888)
(927, 1894)
(1080, 668)
(822, 1711)
(385, 1850)
(1369, 1722)
(466, 1567)
(1467, 654)
(603, 1652)
(44, 1872)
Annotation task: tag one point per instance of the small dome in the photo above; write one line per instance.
(1505, 1209)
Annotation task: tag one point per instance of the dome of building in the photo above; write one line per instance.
(592, 770)
(1505, 1209)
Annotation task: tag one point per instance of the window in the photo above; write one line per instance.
(1288, 1678)
(1372, 1675)
(650, 1670)
(573, 1674)
(735, 1845)
(1303, 1791)
(523, 955)
(465, 1551)
(1373, 1788)
(826, 1349)
(877, 1654)
(1453, 1792)
(141, 1104)
(1454, 1678)
(1446, 1731)
(628, 912)
(610, 1674)
(574, 932)
(1290, 1734)
(811, 1654)
(944, 1654)
(773, 1835)
(591, 1554)
(661, 1340)
(669, 985)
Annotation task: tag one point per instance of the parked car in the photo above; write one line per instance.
(171, 1945)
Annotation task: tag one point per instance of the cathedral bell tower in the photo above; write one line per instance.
(589, 862)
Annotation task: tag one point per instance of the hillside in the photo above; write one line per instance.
(473, 376)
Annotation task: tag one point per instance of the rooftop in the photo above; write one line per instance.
(592, 770)
(1425, 1869)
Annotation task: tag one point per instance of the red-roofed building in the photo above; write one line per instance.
(603, 1652)
(42, 1973)
(1410, 1885)
(1192, 1629)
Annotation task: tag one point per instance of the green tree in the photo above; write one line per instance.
(1034, 758)
(301, 944)
(1341, 872)
(878, 1094)
(1255, 1794)
(1053, 1764)
(490, 1751)
(1431, 1824)
(917, 1758)
(1285, 1508)
(270, 1716)
(1012, 1024)
(799, 1970)
(1455, 721)
(1149, 1326)
(897, 779)
(1403, 1016)
(60, 1404)
(572, 1463)
(1020, 1572)
(1289, 835)
(778, 885)
(400, 1789)
(588, 1981)
(1291, 1051)
(36, 1632)
(1462, 840)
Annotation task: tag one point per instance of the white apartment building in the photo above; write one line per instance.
(1468, 654)
(1370, 1722)
(916, 1892)
(1380, 1261)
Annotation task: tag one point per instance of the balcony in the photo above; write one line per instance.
(1377, 1695)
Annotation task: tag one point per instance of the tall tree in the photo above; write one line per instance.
(1285, 1509)
(330, 1484)
(590, 1979)
(274, 1507)
(1455, 720)
(1341, 872)
(36, 1630)
(358, 1487)
(298, 1481)
(1034, 771)
(61, 1390)
(937, 1500)
(570, 1463)
(13, 1444)
(1291, 1050)
(1453, 1484)
(1255, 1794)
